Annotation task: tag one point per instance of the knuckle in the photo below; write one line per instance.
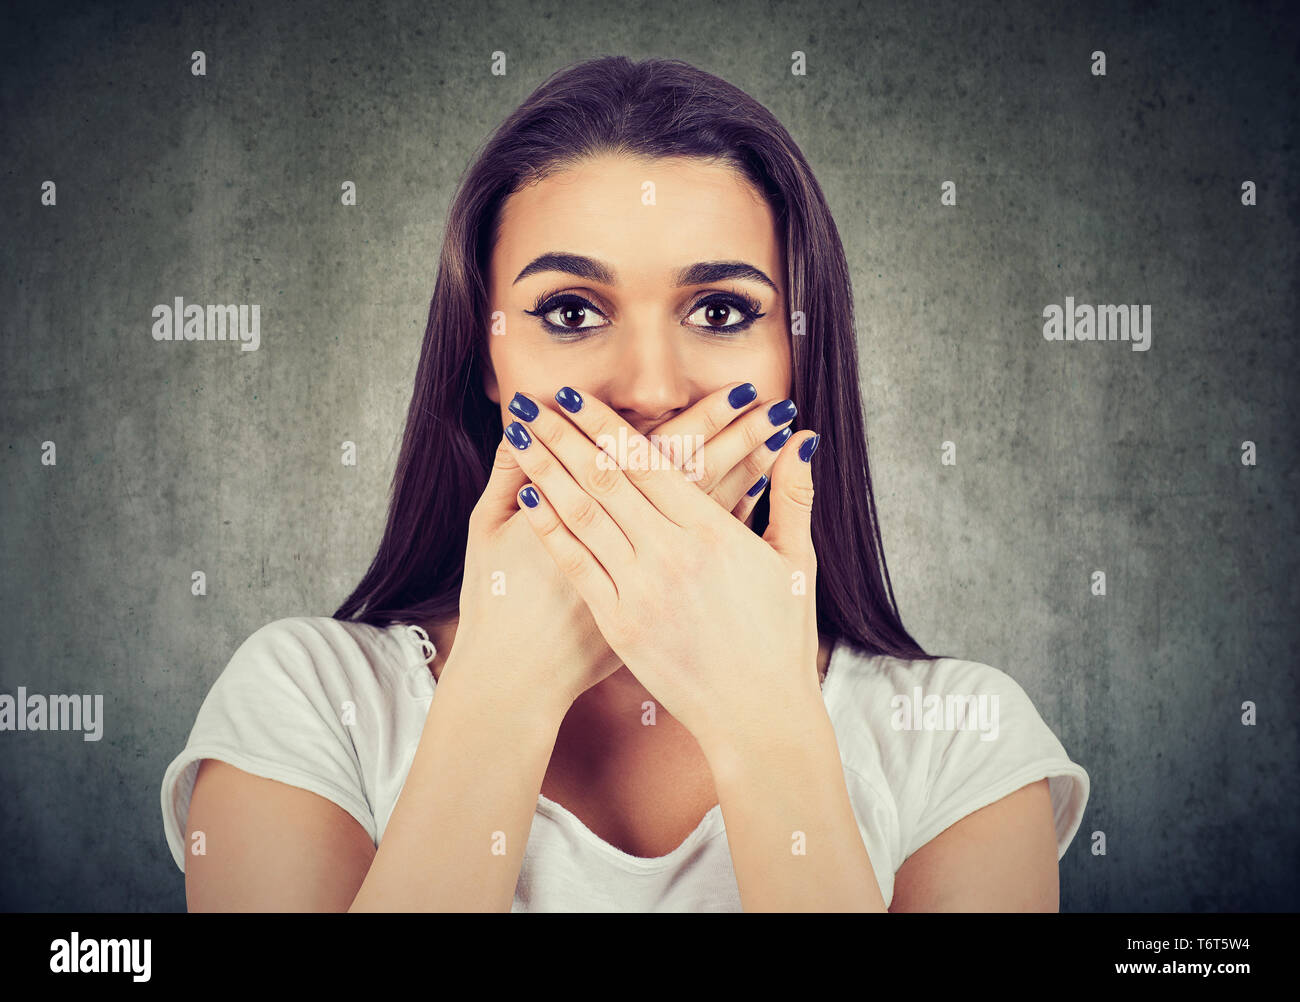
(571, 564)
(801, 496)
(699, 470)
(603, 479)
(757, 434)
(670, 446)
(639, 473)
(504, 463)
(712, 421)
(753, 468)
(544, 467)
(586, 514)
(552, 527)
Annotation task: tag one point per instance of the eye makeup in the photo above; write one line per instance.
(747, 307)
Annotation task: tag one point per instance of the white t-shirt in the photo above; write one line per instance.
(338, 708)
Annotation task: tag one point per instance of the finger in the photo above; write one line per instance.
(581, 513)
(789, 524)
(744, 475)
(591, 469)
(658, 480)
(497, 503)
(685, 434)
(574, 560)
(744, 452)
(749, 501)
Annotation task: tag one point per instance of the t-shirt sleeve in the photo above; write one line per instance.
(1002, 746)
(275, 711)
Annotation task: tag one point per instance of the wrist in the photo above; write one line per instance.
(468, 678)
(797, 728)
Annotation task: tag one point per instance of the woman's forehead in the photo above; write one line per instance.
(652, 215)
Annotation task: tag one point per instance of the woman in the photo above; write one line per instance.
(616, 657)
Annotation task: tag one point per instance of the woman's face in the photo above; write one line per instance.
(660, 262)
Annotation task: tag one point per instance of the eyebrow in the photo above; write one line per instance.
(700, 273)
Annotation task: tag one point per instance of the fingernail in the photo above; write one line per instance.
(523, 407)
(529, 497)
(742, 395)
(570, 399)
(757, 489)
(808, 448)
(518, 435)
(782, 412)
(778, 440)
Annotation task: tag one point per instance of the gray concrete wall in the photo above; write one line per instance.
(1071, 457)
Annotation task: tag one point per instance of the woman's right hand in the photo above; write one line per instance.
(522, 624)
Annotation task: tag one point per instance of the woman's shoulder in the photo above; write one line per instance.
(946, 736)
(864, 675)
(309, 701)
(323, 653)
(906, 703)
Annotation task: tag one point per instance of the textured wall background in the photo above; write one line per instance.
(1071, 457)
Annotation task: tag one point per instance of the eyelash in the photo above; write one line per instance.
(750, 310)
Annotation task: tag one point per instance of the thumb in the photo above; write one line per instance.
(498, 502)
(789, 523)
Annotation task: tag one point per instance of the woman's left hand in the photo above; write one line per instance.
(718, 624)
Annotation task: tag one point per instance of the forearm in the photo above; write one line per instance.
(795, 843)
(456, 838)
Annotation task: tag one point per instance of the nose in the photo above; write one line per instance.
(648, 382)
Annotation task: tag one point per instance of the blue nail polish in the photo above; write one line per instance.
(782, 412)
(569, 398)
(757, 489)
(808, 448)
(741, 395)
(529, 496)
(523, 407)
(778, 440)
(518, 435)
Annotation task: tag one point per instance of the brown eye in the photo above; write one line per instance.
(717, 314)
(572, 316)
(566, 314)
(724, 314)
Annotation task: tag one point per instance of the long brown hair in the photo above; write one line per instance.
(655, 108)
